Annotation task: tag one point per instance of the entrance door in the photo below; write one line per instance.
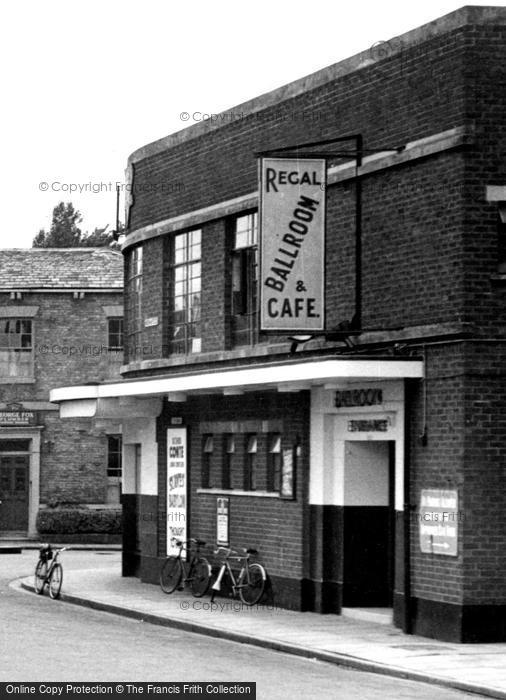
(14, 492)
(368, 524)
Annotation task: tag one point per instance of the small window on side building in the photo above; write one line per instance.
(207, 454)
(274, 462)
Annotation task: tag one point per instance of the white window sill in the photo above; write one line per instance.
(238, 492)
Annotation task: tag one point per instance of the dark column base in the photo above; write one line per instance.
(149, 569)
(322, 596)
(130, 563)
(399, 605)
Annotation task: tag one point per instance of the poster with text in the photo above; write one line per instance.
(177, 464)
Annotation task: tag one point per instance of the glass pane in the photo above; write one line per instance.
(14, 445)
(208, 444)
(195, 285)
(241, 239)
(275, 444)
(252, 444)
(180, 241)
(20, 480)
(180, 274)
(5, 481)
(179, 256)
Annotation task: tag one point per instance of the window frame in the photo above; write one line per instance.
(118, 471)
(207, 458)
(244, 258)
(250, 462)
(229, 450)
(28, 351)
(274, 463)
(135, 292)
(191, 313)
(120, 334)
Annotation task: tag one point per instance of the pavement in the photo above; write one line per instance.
(347, 641)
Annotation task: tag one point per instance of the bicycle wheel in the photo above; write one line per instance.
(200, 576)
(170, 574)
(252, 591)
(55, 581)
(40, 576)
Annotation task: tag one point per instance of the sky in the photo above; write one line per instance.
(85, 83)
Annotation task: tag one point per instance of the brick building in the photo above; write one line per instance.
(61, 316)
(367, 468)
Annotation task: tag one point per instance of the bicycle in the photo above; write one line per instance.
(50, 574)
(196, 572)
(251, 581)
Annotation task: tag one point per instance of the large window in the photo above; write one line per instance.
(134, 288)
(244, 280)
(184, 317)
(16, 348)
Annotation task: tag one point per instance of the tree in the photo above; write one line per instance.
(64, 231)
(98, 238)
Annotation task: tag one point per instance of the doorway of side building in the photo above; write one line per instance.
(14, 486)
(369, 525)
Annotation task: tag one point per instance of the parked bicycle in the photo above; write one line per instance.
(49, 571)
(251, 581)
(176, 572)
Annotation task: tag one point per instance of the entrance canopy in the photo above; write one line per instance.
(128, 398)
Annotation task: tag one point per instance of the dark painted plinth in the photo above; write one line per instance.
(459, 623)
(10, 550)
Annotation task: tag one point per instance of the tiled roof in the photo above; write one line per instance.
(60, 268)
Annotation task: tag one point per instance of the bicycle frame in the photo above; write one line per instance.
(185, 562)
(226, 568)
(53, 562)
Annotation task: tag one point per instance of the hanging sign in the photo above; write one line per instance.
(292, 244)
(176, 487)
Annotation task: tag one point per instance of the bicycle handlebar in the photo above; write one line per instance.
(182, 543)
(229, 552)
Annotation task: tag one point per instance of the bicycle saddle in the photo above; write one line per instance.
(250, 550)
(199, 542)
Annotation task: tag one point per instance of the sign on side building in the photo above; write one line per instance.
(439, 522)
(292, 244)
(177, 464)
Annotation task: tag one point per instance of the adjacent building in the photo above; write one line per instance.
(365, 461)
(61, 318)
